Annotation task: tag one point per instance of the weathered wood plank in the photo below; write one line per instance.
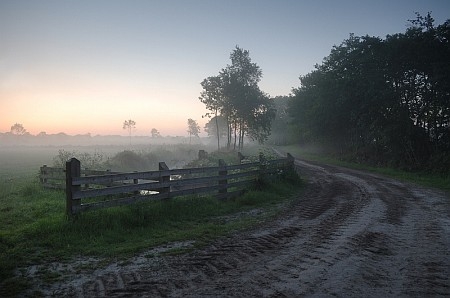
(114, 190)
(88, 172)
(151, 175)
(242, 166)
(119, 202)
(214, 180)
(252, 173)
(141, 198)
(156, 186)
(156, 175)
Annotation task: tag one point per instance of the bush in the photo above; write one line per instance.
(439, 163)
(128, 161)
(91, 161)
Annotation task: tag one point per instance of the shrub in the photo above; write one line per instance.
(128, 161)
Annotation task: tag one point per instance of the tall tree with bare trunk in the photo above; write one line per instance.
(129, 125)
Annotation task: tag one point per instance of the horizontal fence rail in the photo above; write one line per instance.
(54, 178)
(90, 189)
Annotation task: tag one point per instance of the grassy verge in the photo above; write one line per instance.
(421, 178)
(34, 229)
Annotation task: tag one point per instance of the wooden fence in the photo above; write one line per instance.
(86, 189)
(55, 178)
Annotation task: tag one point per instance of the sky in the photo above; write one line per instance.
(87, 66)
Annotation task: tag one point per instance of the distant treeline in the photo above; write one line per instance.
(383, 101)
(60, 139)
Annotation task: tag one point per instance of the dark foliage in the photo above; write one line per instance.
(382, 101)
(235, 95)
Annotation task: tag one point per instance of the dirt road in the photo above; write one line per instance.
(350, 234)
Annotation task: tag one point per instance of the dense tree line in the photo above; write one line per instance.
(382, 100)
(234, 94)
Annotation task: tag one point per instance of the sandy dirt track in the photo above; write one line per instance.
(351, 234)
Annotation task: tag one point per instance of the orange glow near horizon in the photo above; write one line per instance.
(87, 66)
(40, 110)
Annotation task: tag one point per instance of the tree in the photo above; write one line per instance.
(383, 101)
(214, 123)
(235, 95)
(212, 97)
(155, 133)
(193, 129)
(129, 125)
(18, 129)
(240, 87)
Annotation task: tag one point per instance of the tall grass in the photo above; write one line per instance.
(422, 178)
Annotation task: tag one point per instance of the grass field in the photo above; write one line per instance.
(34, 229)
(22, 162)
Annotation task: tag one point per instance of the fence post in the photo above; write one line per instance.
(223, 189)
(290, 162)
(110, 183)
(241, 157)
(202, 154)
(136, 181)
(262, 166)
(73, 170)
(86, 173)
(43, 173)
(165, 178)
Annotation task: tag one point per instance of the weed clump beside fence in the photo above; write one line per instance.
(87, 190)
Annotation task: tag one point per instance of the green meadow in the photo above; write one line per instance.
(35, 230)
